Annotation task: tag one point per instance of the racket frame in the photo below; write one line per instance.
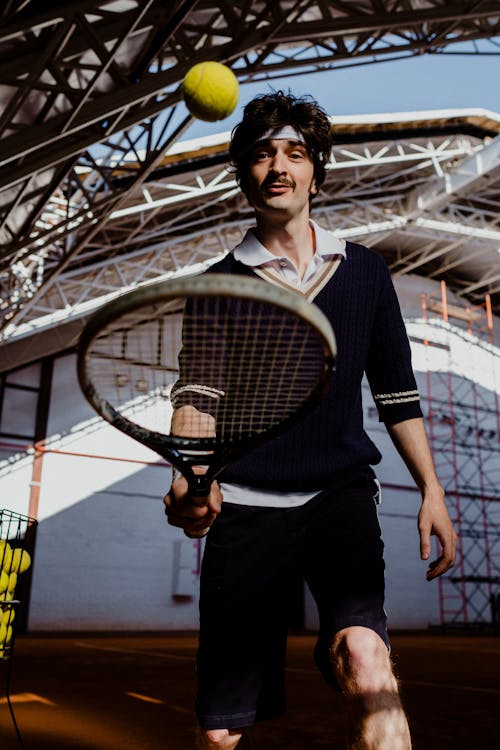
(185, 453)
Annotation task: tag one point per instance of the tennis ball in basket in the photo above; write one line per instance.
(210, 91)
(7, 617)
(21, 560)
(5, 634)
(5, 554)
(11, 586)
(4, 581)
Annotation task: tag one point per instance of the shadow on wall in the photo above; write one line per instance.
(111, 561)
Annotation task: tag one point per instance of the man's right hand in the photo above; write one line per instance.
(194, 515)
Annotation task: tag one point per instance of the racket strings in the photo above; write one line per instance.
(133, 363)
(246, 364)
(261, 369)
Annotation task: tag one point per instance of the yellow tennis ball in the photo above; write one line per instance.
(11, 586)
(4, 631)
(21, 560)
(210, 91)
(4, 581)
(5, 635)
(7, 616)
(5, 555)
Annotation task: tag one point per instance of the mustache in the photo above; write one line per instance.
(272, 180)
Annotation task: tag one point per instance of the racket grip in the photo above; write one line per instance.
(199, 484)
(199, 487)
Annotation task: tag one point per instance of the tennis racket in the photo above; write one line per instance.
(202, 369)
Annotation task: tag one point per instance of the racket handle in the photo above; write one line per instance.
(199, 486)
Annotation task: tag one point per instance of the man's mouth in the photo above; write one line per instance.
(278, 186)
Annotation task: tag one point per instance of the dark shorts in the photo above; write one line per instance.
(253, 558)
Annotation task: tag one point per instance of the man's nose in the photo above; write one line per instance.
(278, 164)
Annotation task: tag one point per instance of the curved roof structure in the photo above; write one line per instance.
(98, 192)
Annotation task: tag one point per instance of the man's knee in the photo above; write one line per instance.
(375, 715)
(361, 661)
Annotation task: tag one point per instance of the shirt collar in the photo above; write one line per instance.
(252, 252)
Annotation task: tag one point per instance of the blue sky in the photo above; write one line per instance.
(418, 83)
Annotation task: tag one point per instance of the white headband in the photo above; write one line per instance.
(285, 133)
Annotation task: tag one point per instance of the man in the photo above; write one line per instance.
(304, 504)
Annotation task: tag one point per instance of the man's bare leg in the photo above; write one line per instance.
(376, 719)
(224, 739)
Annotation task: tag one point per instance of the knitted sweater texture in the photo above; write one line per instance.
(362, 306)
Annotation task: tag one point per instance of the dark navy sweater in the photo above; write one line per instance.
(362, 306)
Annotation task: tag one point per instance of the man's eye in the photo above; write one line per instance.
(296, 155)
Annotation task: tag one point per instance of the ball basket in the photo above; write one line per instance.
(17, 541)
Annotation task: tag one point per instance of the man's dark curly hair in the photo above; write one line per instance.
(272, 111)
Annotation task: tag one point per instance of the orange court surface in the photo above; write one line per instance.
(135, 692)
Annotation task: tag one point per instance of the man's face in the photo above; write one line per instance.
(281, 178)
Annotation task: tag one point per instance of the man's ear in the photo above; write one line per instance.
(313, 188)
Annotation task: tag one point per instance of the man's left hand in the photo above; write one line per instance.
(433, 519)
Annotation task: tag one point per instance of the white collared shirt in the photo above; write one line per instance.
(252, 253)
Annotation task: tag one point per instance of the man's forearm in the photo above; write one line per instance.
(411, 442)
(410, 439)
